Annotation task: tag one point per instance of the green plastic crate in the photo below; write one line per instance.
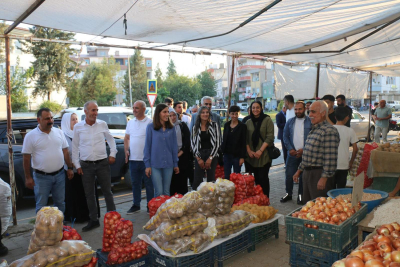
(329, 237)
(263, 232)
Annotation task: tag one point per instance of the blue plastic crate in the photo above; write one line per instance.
(102, 259)
(302, 256)
(233, 247)
(203, 259)
(263, 232)
(329, 237)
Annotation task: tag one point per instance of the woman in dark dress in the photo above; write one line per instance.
(76, 208)
(179, 182)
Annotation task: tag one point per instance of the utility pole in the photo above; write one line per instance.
(129, 77)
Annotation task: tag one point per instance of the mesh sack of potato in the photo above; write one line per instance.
(177, 246)
(48, 230)
(261, 213)
(173, 208)
(200, 241)
(225, 195)
(185, 225)
(192, 201)
(68, 253)
(208, 192)
(232, 223)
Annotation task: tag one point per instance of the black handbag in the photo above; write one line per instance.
(273, 151)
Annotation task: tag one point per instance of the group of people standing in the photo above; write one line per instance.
(317, 138)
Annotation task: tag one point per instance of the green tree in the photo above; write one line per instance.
(183, 88)
(171, 69)
(52, 65)
(162, 93)
(138, 79)
(207, 83)
(97, 83)
(158, 74)
(3, 27)
(19, 85)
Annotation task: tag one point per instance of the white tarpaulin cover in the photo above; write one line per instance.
(290, 25)
(353, 85)
(296, 82)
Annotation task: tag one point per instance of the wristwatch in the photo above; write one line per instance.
(70, 168)
(211, 157)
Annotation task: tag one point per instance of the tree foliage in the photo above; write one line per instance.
(52, 65)
(98, 83)
(138, 79)
(53, 106)
(19, 85)
(3, 27)
(183, 88)
(207, 83)
(158, 74)
(171, 69)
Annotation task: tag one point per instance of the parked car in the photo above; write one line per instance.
(222, 113)
(393, 104)
(20, 128)
(243, 106)
(148, 112)
(360, 125)
(116, 117)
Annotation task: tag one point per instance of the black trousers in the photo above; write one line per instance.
(261, 176)
(284, 151)
(179, 181)
(76, 208)
(340, 178)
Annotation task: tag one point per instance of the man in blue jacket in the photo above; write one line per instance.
(280, 123)
(294, 136)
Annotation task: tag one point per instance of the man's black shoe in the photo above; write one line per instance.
(299, 200)
(133, 209)
(3, 250)
(91, 225)
(286, 198)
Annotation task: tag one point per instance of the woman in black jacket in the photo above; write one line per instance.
(179, 182)
(234, 143)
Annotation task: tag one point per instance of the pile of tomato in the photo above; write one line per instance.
(128, 253)
(70, 233)
(155, 203)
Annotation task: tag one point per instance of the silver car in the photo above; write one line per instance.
(360, 125)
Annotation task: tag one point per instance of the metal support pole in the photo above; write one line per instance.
(230, 87)
(317, 84)
(129, 77)
(10, 133)
(370, 105)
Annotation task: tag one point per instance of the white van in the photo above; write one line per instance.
(393, 104)
(243, 106)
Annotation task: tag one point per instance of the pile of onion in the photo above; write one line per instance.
(326, 210)
(383, 250)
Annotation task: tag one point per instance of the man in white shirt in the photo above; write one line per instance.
(347, 136)
(178, 107)
(46, 149)
(289, 104)
(89, 156)
(294, 136)
(135, 136)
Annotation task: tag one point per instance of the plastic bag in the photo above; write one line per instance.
(173, 208)
(111, 219)
(92, 263)
(232, 223)
(178, 246)
(363, 167)
(128, 253)
(244, 186)
(200, 241)
(262, 213)
(48, 229)
(5, 205)
(207, 190)
(186, 225)
(155, 203)
(68, 253)
(225, 191)
(192, 201)
(70, 233)
(176, 195)
(123, 233)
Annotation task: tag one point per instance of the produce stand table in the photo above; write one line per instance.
(220, 249)
(363, 228)
(384, 181)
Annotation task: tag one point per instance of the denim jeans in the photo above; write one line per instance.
(44, 184)
(161, 178)
(292, 164)
(137, 175)
(229, 161)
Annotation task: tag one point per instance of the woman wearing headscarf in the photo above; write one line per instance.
(205, 142)
(179, 181)
(76, 208)
(260, 135)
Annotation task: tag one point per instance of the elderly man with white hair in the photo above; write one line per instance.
(320, 154)
(206, 101)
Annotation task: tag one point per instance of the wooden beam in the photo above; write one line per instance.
(24, 15)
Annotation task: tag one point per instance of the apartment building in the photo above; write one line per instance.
(220, 75)
(98, 54)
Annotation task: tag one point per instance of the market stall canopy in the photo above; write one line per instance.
(283, 26)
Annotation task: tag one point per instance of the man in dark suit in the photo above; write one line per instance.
(280, 123)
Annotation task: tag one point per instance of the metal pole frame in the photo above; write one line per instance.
(370, 106)
(10, 133)
(230, 87)
(317, 82)
(129, 77)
